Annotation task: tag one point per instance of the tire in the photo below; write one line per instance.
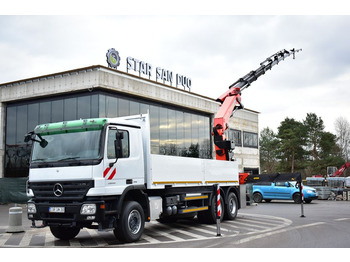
(297, 198)
(64, 233)
(257, 197)
(209, 216)
(231, 207)
(131, 224)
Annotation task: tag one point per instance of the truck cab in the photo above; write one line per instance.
(80, 169)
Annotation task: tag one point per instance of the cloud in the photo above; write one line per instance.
(214, 51)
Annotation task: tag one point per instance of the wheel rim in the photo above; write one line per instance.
(134, 221)
(232, 206)
(257, 197)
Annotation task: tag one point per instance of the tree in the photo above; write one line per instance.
(268, 144)
(328, 145)
(314, 129)
(292, 135)
(342, 128)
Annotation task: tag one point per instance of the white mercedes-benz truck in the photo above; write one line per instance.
(100, 173)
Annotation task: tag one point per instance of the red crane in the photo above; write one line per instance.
(341, 170)
(231, 101)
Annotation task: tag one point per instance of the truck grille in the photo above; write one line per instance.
(61, 191)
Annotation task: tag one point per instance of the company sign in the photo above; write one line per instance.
(144, 69)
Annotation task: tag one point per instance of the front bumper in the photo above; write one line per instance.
(311, 197)
(66, 214)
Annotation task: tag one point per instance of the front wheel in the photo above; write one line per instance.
(131, 224)
(64, 233)
(297, 198)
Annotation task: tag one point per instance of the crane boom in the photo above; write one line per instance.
(341, 170)
(231, 101)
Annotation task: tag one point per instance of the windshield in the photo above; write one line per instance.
(68, 146)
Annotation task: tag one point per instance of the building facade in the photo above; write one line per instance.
(181, 121)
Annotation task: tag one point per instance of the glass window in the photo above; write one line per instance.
(110, 143)
(180, 136)
(250, 139)
(70, 109)
(144, 108)
(33, 116)
(154, 119)
(187, 129)
(235, 135)
(21, 123)
(84, 107)
(102, 106)
(11, 119)
(68, 147)
(134, 108)
(45, 112)
(57, 110)
(123, 107)
(163, 130)
(94, 106)
(171, 144)
(111, 106)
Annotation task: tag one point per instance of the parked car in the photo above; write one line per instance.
(282, 191)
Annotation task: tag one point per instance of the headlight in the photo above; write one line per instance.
(31, 208)
(309, 191)
(88, 209)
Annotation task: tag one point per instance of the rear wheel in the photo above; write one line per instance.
(209, 216)
(257, 197)
(231, 206)
(131, 224)
(64, 233)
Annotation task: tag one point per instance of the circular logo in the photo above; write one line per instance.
(58, 189)
(113, 58)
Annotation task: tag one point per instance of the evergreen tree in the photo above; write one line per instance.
(268, 144)
(314, 128)
(292, 135)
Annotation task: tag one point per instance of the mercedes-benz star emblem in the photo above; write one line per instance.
(58, 189)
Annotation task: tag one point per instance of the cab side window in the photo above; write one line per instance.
(110, 143)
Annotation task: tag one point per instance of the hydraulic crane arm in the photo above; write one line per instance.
(231, 101)
(341, 170)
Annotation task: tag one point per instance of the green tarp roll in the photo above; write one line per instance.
(13, 190)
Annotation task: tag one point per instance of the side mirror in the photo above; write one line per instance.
(286, 184)
(31, 137)
(43, 143)
(28, 137)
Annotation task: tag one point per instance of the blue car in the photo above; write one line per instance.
(282, 191)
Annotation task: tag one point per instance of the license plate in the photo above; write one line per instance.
(56, 209)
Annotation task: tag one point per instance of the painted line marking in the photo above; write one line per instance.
(244, 240)
(341, 219)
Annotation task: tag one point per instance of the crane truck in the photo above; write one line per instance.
(100, 173)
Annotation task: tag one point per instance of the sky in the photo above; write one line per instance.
(213, 48)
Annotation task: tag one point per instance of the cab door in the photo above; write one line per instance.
(283, 190)
(128, 168)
